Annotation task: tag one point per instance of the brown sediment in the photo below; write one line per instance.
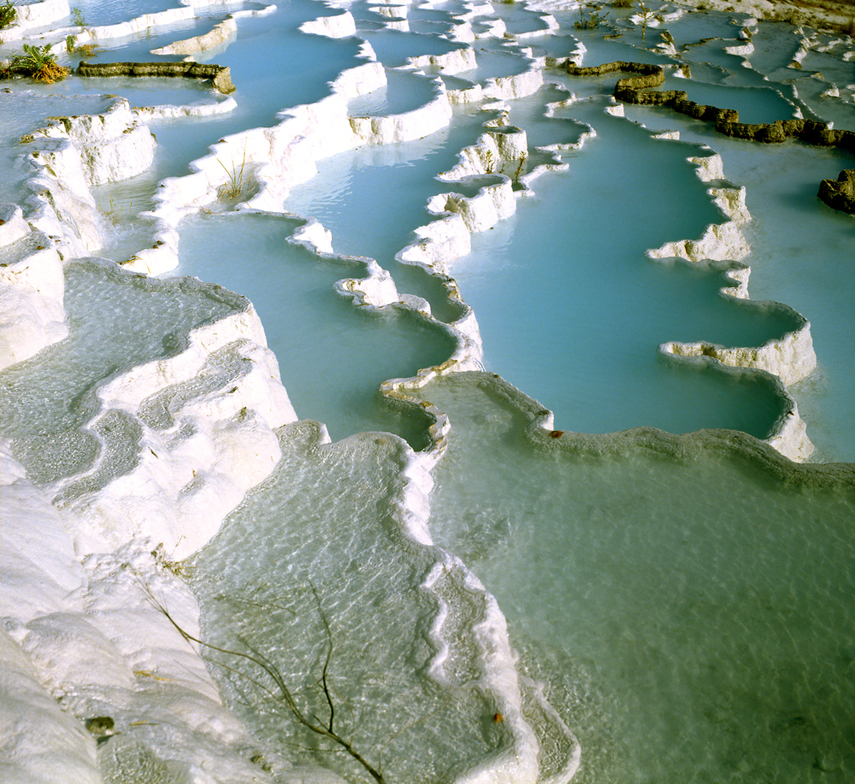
(637, 90)
(219, 75)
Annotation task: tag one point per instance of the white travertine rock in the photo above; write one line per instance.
(13, 227)
(63, 205)
(740, 50)
(200, 109)
(360, 80)
(222, 33)
(340, 25)
(791, 358)
(38, 14)
(455, 61)
(313, 236)
(708, 167)
(481, 212)
(82, 641)
(32, 315)
(375, 291)
(41, 742)
(502, 147)
(438, 243)
(731, 201)
(113, 146)
(719, 242)
(191, 474)
(408, 126)
(516, 86)
(791, 438)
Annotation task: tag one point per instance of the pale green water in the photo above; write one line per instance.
(691, 613)
(791, 264)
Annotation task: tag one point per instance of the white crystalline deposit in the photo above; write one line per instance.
(70, 155)
(415, 124)
(340, 25)
(791, 438)
(222, 33)
(38, 14)
(206, 420)
(32, 315)
(719, 241)
(113, 146)
(791, 358)
(265, 163)
(83, 641)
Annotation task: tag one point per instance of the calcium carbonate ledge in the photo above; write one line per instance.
(273, 160)
(789, 358)
(80, 640)
(637, 90)
(202, 436)
(32, 287)
(686, 448)
(108, 513)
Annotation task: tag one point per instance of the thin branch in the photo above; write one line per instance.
(276, 676)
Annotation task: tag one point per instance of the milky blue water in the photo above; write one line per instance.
(755, 105)
(403, 92)
(332, 356)
(685, 602)
(571, 270)
(351, 197)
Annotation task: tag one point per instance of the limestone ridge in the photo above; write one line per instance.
(636, 90)
(219, 75)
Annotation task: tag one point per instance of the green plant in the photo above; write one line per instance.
(77, 17)
(622, 3)
(84, 50)
(589, 19)
(235, 184)
(39, 63)
(8, 14)
(490, 161)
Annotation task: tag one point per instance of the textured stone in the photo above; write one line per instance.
(219, 75)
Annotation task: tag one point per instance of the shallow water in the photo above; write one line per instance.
(403, 92)
(574, 256)
(789, 264)
(692, 616)
(319, 543)
(350, 197)
(332, 357)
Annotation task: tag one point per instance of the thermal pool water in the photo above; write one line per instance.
(422, 388)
